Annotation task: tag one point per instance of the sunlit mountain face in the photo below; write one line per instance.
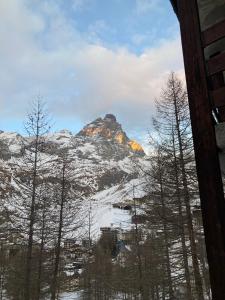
(103, 161)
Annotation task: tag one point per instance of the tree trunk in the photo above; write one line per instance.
(31, 220)
(41, 255)
(58, 246)
(181, 226)
(140, 271)
(165, 231)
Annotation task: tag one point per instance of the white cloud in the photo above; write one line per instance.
(118, 75)
(124, 82)
(42, 52)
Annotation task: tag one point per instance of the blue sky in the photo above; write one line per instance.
(86, 58)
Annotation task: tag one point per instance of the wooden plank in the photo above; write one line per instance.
(218, 97)
(216, 83)
(216, 64)
(207, 161)
(213, 34)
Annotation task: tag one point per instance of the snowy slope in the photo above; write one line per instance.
(102, 157)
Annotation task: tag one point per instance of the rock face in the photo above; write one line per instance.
(102, 145)
(109, 130)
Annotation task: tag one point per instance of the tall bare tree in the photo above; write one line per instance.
(27, 176)
(67, 207)
(173, 121)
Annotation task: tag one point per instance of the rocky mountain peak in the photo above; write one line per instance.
(110, 130)
(106, 127)
(110, 117)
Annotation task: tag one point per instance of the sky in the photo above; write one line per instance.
(86, 58)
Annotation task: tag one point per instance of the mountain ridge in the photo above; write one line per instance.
(102, 157)
(110, 129)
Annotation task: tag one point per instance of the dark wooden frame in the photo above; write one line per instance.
(213, 34)
(205, 94)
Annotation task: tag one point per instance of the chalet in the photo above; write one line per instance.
(123, 206)
(108, 232)
(73, 251)
(126, 236)
(86, 243)
(69, 244)
(139, 219)
(105, 230)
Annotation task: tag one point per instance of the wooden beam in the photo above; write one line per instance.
(174, 4)
(207, 161)
(216, 64)
(218, 97)
(213, 34)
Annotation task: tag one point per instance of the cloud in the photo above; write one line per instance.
(43, 52)
(95, 31)
(144, 6)
(78, 5)
(138, 39)
(122, 81)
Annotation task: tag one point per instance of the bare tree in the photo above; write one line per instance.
(27, 177)
(173, 125)
(67, 207)
(37, 126)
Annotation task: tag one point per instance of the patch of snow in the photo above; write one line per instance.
(71, 296)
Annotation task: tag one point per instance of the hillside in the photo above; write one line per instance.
(102, 159)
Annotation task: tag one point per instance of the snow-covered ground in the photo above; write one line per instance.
(103, 214)
(103, 169)
(71, 296)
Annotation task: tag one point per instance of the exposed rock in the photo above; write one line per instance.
(101, 153)
(110, 117)
(110, 130)
(135, 146)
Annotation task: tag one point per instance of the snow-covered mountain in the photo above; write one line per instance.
(103, 161)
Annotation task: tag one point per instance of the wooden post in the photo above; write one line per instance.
(206, 153)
